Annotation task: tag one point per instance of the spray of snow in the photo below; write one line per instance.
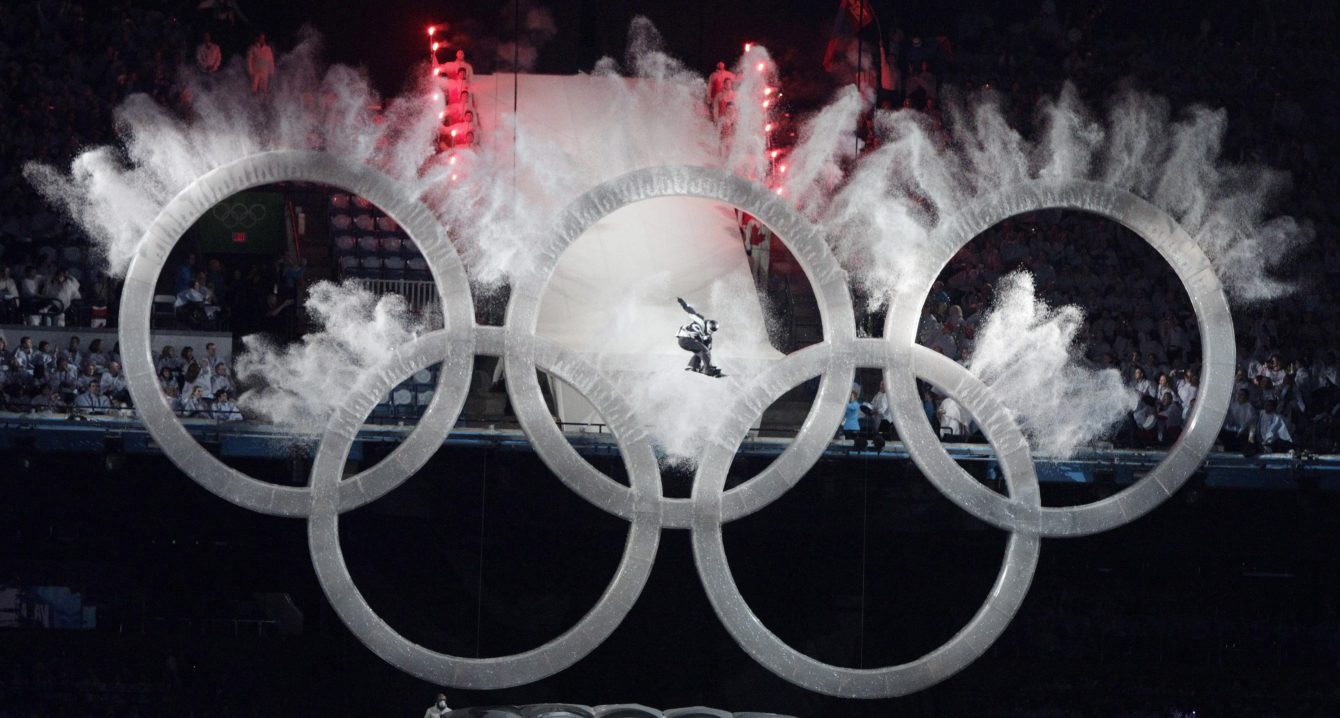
(302, 384)
(1026, 352)
(878, 211)
(115, 193)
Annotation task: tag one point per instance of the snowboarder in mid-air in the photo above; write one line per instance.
(696, 336)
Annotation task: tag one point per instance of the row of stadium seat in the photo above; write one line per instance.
(392, 268)
(388, 246)
(365, 222)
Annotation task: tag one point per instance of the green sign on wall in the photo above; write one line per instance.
(247, 222)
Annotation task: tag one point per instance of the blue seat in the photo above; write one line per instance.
(345, 244)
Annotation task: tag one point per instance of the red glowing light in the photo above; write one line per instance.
(767, 90)
(779, 190)
(437, 71)
(766, 104)
(748, 46)
(453, 133)
(442, 115)
(436, 96)
(453, 176)
(783, 169)
(432, 30)
(760, 66)
(451, 160)
(436, 45)
(767, 127)
(774, 153)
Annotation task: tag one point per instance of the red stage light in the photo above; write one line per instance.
(451, 160)
(432, 30)
(767, 127)
(436, 45)
(437, 71)
(453, 176)
(783, 169)
(766, 103)
(779, 190)
(760, 66)
(767, 90)
(453, 133)
(442, 115)
(436, 97)
(748, 46)
(774, 153)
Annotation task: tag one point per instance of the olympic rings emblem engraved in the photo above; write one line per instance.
(834, 360)
(237, 214)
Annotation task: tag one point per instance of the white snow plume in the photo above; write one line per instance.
(748, 143)
(301, 384)
(896, 196)
(648, 112)
(1026, 353)
(827, 139)
(115, 193)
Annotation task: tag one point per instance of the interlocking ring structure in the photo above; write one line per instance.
(642, 502)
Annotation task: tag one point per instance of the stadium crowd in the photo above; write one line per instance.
(65, 67)
(87, 380)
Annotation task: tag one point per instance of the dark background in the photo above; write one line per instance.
(1221, 601)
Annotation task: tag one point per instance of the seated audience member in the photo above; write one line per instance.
(50, 401)
(851, 418)
(63, 378)
(196, 378)
(92, 401)
(195, 305)
(17, 381)
(1272, 432)
(1145, 419)
(1239, 423)
(9, 296)
(72, 353)
(33, 301)
(95, 355)
(224, 409)
(1169, 418)
(168, 383)
(954, 419)
(167, 359)
(89, 376)
(44, 357)
(191, 404)
(63, 289)
(221, 380)
(114, 385)
(211, 358)
(23, 353)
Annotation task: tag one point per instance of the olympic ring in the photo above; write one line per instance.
(642, 502)
(236, 214)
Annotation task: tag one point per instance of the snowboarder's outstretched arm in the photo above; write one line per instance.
(690, 309)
